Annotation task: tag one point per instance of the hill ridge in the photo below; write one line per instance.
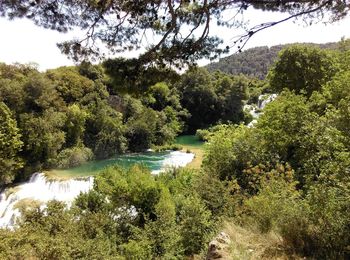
(255, 62)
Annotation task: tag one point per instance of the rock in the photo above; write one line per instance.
(223, 238)
(219, 247)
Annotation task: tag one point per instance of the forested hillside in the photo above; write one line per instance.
(255, 62)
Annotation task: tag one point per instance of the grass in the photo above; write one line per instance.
(249, 244)
(198, 156)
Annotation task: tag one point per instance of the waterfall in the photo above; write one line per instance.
(41, 190)
(255, 109)
(263, 100)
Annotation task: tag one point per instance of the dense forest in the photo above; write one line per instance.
(255, 62)
(287, 175)
(64, 117)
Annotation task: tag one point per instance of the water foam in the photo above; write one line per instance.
(40, 189)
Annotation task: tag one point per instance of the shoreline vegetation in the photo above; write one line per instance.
(196, 148)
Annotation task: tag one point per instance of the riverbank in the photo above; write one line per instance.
(198, 152)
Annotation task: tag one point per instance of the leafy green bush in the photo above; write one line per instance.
(72, 157)
(271, 203)
(10, 145)
(315, 225)
(195, 225)
(167, 147)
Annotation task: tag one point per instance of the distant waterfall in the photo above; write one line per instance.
(255, 109)
(263, 100)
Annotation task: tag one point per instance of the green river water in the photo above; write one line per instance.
(152, 160)
(189, 140)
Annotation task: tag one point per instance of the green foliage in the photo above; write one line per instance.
(276, 193)
(169, 147)
(329, 221)
(75, 125)
(206, 134)
(211, 98)
(131, 76)
(163, 232)
(302, 69)
(338, 88)
(72, 157)
(129, 214)
(291, 169)
(136, 249)
(147, 127)
(315, 225)
(141, 129)
(52, 234)
(231, 150)
(92, 72)
(195, 224)
(69, 107)
(217, 195)
(109, 139)
(288, 174)
(41, 94)
(42, 135)
(282, 123)
(70, 84)
(160, 96)
(130, 188)
(10, 145)
(182, 39)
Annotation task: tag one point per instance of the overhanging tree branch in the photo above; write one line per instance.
(243, 39)
(119, 25)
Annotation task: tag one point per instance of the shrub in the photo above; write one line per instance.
(315, 225)
(72, 157)
(274, 200)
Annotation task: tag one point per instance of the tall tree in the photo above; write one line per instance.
(303, 69)
(10, 145)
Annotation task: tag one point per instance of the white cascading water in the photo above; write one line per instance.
(175, 159)
(40, 189)
(263, 100)
(255, 109)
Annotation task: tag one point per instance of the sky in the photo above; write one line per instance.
(21, 41)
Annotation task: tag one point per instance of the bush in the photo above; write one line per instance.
(167, 147)
(195, 225)
(316, 225)
(275, 198)
(72, 157)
